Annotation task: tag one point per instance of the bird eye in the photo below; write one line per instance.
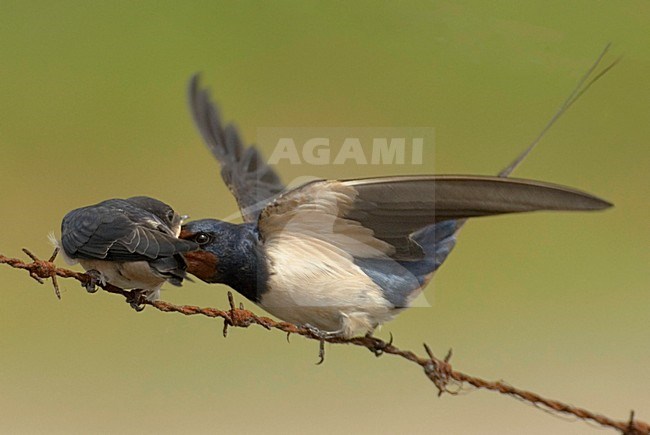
(202, 238)
(170, 215)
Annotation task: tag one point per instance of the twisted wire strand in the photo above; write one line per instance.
(439, 371)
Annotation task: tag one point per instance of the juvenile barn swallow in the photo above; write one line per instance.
(130, 243)
(342, 256)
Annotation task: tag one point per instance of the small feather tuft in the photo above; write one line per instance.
(53, 240)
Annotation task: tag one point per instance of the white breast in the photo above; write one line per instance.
(128, 275)
(313, 282)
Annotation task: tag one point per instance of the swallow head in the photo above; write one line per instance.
(162, 211)
(213, 237)
(230, 254)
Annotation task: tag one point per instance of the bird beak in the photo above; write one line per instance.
(184, 218)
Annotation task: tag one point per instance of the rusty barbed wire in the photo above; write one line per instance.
(439, 371)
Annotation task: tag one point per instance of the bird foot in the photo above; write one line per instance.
(136, 299)
(320, 334)
(378, 346)
(95, 278)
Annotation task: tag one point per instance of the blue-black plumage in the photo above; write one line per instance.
(131, 243)
(343, 256)
(399, 280)
(235, 256)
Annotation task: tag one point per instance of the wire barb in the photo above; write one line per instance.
(41, 270)
(439, 371)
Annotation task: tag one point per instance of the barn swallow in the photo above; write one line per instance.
(342, 256)
(130, 243)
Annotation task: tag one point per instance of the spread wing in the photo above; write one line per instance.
(115, 230)
(370, 218)
(250, 179)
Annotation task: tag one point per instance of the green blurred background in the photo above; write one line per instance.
(93, 106)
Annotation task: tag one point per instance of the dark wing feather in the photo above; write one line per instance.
(395, 207)
(392, 208)
(115, 230)
(251, 180)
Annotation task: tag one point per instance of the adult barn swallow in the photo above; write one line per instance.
(342, 256)
(130, 243)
